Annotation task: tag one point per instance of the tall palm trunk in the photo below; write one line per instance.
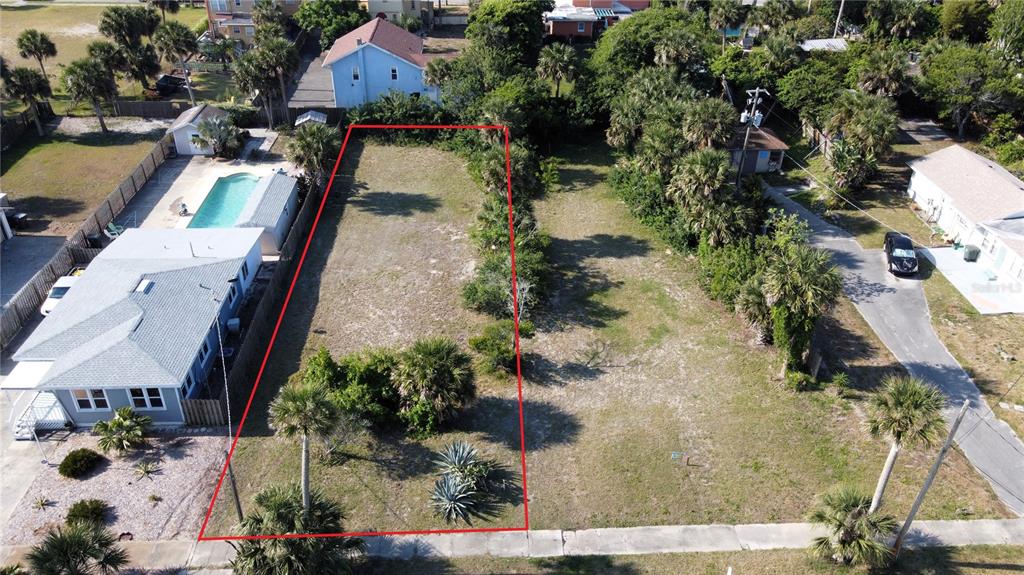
(723, 40)
(99, 115)
(40, 60)
(305, 473)
(284, 97)
(883, 479)
(268, 107)
(558, 86)
(35, 116)
(188, 81)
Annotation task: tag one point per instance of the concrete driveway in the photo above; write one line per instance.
(898, 312)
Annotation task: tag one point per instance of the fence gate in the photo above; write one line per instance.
(203, 412)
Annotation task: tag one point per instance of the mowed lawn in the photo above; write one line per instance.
(71, 28)
(645, 403)
(60, 180)
(386, 267)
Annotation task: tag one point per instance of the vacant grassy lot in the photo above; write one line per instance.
(632, 364)
(976, 560)
(71, 28)
(59, 180)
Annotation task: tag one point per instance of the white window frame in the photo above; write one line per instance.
(232, 294)
(187, 385)
(355, 73)
(91, 397)
(250, 31)
(205, 351)
(245, 270)
(236, 30)
(581, 27)
(147, 399)
(394, 73)
(220, 5)
(238, 3)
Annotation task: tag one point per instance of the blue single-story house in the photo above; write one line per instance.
(139, 328)
(374, 59)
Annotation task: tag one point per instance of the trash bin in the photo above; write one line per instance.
(971, 253)
(94, 241)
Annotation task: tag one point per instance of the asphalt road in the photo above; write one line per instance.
(898, 312)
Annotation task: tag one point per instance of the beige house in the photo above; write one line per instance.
(233, 18)
(393, 10)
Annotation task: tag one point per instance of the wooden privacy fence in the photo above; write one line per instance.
(77, 249)
(249, 356)
(203, 412)
(15, 126)
(145, 109)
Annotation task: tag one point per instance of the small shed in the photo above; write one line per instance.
(764, 151)
(185, 129)
(272, 206)
(311, 116)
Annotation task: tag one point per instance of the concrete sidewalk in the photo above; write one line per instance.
(557, 543)
(896, 309)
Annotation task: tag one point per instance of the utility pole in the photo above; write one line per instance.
(839, 16)
(928, 482)
(751, 117)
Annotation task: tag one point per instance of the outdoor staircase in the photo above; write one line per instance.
(34, 411)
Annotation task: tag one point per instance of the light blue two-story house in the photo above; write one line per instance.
(374, 59)
(141, 328)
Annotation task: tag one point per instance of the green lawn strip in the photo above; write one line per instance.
(973, 560)
(71, 28)
(64, 178)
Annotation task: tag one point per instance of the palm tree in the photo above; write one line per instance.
(218, 134)
(5, 70)
(780, 51)
(35, 44)
(123, 432)
(281, 510)
(709, 123)
(303, 410)
(557, 62)
(438, 72)
(253, 76)
(884, 72)
(176, 42)
(29, 86)
(724, 13)
(800, 285)
(699, 174)
(267, 12)
(88, 79)
(165, 6)
(109, 54)
(280, 56)
(907, 411)
(434, 379)
(866, 120)
(77, 549)
(313, 147)
(856, 534)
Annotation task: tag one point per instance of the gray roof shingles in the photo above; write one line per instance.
(279, 188)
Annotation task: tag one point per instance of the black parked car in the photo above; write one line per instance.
(168, 84)
(899, 254)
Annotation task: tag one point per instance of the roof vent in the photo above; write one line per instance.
(359, 41)
(144, 286)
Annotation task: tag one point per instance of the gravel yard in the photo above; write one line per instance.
(189, 465)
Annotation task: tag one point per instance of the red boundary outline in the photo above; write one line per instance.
(284, 308)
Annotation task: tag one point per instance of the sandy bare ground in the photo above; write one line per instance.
(189, 467)
(76, 126)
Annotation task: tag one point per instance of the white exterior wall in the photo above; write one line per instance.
(184, 144)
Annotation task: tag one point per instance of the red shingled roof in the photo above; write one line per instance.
(382, 34)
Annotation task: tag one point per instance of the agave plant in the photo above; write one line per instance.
(460, 459)
(454, 499)
(147, 469)
(125, 431)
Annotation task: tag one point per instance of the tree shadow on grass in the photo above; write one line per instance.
(498, 420)
(395, 203)
(42, 210)
(539, 370)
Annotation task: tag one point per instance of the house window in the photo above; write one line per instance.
(90, 399)
(355, 73)
(236, 29)
(204, 352)
(250, 31)
(220, 5)
(186, 387)
(245, 270)
(394, 73)
(232, 293)
(146, 397)
(581, 27)
(238, 2)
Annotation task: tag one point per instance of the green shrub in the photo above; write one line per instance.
(242, 115)
(79, 462)
(1001, 130)
(644, 194)
(497, 343)
(201, 26)
(88, 511)
(1010, 152)
(799, 381)
(365, 386)
(725, 269)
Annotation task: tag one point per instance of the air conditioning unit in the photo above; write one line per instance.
(773, 166)
(234, 325)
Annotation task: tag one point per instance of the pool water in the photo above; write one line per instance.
(225, 201)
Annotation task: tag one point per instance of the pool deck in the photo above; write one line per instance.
(188, 180)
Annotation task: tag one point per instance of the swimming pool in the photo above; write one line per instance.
(225, 201)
